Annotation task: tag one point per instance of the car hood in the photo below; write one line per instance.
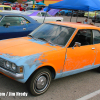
(23, 46)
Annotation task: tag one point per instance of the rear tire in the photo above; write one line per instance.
(39, 82)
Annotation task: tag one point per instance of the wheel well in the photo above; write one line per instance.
(58, 20)
(48, 67)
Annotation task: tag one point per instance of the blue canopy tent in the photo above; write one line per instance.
(84, 5)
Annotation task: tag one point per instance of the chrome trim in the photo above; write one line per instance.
(13, 75)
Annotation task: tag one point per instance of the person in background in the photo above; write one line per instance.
(86, 21)
(17, 8)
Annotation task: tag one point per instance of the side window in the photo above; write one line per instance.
(1, 8)
(84, 37)
(24, 21)
(39, 14)
(47, 15)
(96, 36)
(43, 14)
(7, 8)
(14, 21)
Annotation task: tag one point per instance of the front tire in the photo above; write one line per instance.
(39, 82)
(98, 69)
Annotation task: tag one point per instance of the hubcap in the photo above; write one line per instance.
(41, 82)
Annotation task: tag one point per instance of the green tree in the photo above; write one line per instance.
(11, 0)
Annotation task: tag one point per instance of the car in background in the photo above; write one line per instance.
(16, 25)
(65, 12)
(5, 7)
(42, 16)
(96, 18)
(12, 11)
(91, 14)
(53, 50)
(78, 13)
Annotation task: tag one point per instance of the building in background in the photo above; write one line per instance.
(46, 2)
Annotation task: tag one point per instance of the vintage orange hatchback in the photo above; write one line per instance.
(54, 50)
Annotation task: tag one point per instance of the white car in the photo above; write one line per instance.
(42, 16)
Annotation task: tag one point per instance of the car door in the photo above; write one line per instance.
(17, 27)
(80, 58)
(96, 42)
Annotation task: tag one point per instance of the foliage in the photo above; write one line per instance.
(12, 1)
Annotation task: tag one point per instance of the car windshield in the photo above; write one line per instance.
(0, 17)
(52, 33)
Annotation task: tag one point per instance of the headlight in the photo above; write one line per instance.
(7, 64)
(13, 67)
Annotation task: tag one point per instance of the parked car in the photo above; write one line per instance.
(53, 50)
(79, 13)
(39, 16)
(16, 25)
(65, 12)
(91, 14)
(96, 18)
(5, 7)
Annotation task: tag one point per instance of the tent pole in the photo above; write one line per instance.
(88, 16)
(45, 15)
(95, 17)
(77, 17)
(71, 16)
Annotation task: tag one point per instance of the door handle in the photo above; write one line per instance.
(93, 48)
(24, 28)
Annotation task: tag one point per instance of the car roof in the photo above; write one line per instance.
(76, 25)
(10, 13)
(18, 14)
(5, 6)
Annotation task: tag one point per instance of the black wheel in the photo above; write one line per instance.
(39, 82)
(98, 69)
(58, 20)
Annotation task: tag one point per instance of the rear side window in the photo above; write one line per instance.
(39, 14)
(96, 36)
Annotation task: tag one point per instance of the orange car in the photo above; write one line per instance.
(54, 50)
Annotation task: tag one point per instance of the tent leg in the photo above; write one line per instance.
(45, 15)
(77, 17)
(88, 16)
(71, 16)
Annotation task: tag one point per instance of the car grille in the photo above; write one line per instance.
(2, 62)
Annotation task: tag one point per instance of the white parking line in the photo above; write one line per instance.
(89, 95)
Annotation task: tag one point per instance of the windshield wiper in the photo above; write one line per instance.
(45, 40)
(32, 37)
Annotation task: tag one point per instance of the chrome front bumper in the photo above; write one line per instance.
(13, 75)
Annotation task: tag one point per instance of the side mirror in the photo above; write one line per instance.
(77, 44)
(6, 25)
